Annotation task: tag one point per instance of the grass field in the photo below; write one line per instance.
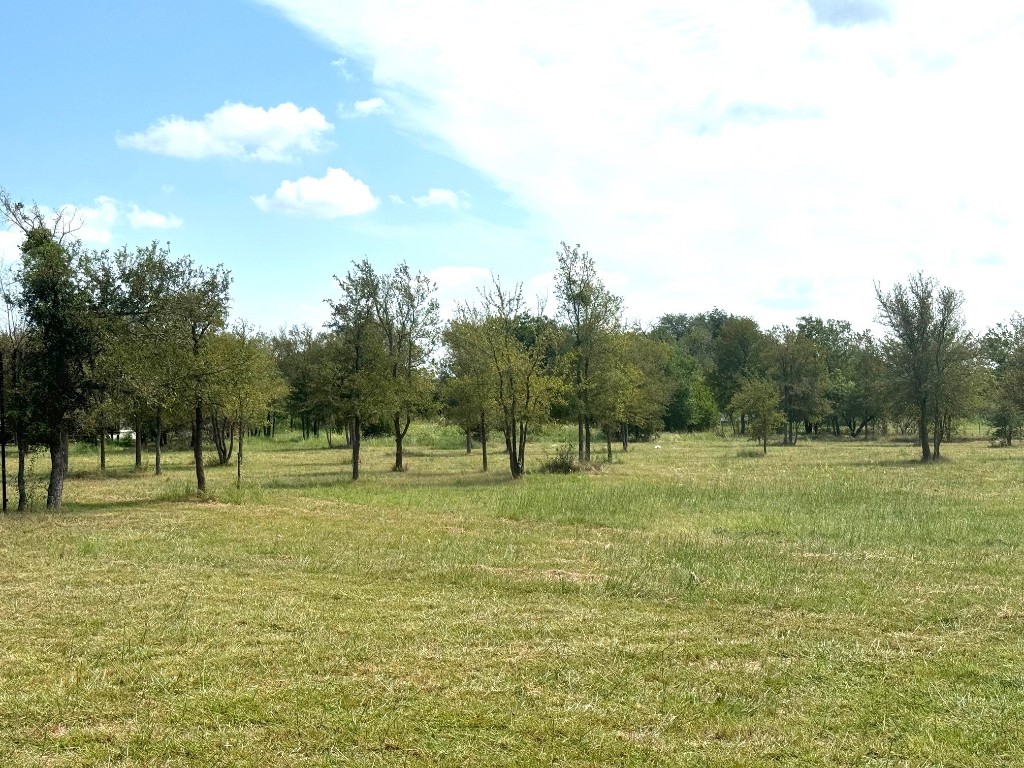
(693, 603)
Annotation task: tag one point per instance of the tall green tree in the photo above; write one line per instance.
(927, 353)
(740, 354)
(758, 399)
(63, 322)
(467, 378)
(196, 308)
(592, 316)
(359, 368)
(799, 370)
(517, 344)
(407, 316)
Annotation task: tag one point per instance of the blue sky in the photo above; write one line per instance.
(771, 157)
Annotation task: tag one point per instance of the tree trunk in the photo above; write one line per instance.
(580, 440)
(103, 449)
(58, 469)
(238, 466)
(22, 454)
(521, 460)
(511, 446)
(357, 436)
(608, 437)
(399, 441)
(197, 446)
(625, 437)
(922, 433)
(586, 437)
(483, 438)
(138, 443)
(159, 437)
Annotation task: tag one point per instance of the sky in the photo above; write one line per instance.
(774, 158)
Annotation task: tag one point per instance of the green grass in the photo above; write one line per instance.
(690, 603)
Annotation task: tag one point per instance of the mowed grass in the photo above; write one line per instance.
(692, 603)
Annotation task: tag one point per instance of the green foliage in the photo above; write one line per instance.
(758, 399)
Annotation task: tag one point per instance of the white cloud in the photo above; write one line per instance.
(335, 194)
(396, 199)
(96, 221)
(10, 245)
(140, 219)
(439, 197)
(373, 106)
(96, 224)
(458, 285)
(341, 64)
(236, 130)
(714, 153)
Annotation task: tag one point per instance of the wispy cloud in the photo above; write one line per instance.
(710, 154)
(331, 196)
(236, 130)
(140, 219)
(96, 223)
(444, 198)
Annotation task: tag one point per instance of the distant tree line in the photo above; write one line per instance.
(96, 341)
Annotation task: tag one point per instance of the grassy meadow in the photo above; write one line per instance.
(692, 603)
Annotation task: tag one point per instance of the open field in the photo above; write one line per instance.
(691, 604)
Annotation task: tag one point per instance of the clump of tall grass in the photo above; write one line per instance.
(565, 461)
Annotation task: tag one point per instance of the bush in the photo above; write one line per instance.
(564, 462)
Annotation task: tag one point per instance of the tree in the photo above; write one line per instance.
(800, 375)
(517, 345)
(758, 399)
(592, 317)
(927, 353)
(467, 380)
(636, 388)
(407, 315)
(739, 353)
(64, 340)
(358, 366)
(195, 309)
(247, 383)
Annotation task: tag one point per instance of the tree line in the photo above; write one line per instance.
(98, 340)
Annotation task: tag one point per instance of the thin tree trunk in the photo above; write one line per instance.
(608, 438)
(238, 470)
(580, 439)
(103, 449)
(138, 443)
(197, 446)
(586, 435)
(22, 454)
(399, 438)
(159, 437)
(510, 446)
(357, 432)
(522, 448)
(483, 438)
(625, 437)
